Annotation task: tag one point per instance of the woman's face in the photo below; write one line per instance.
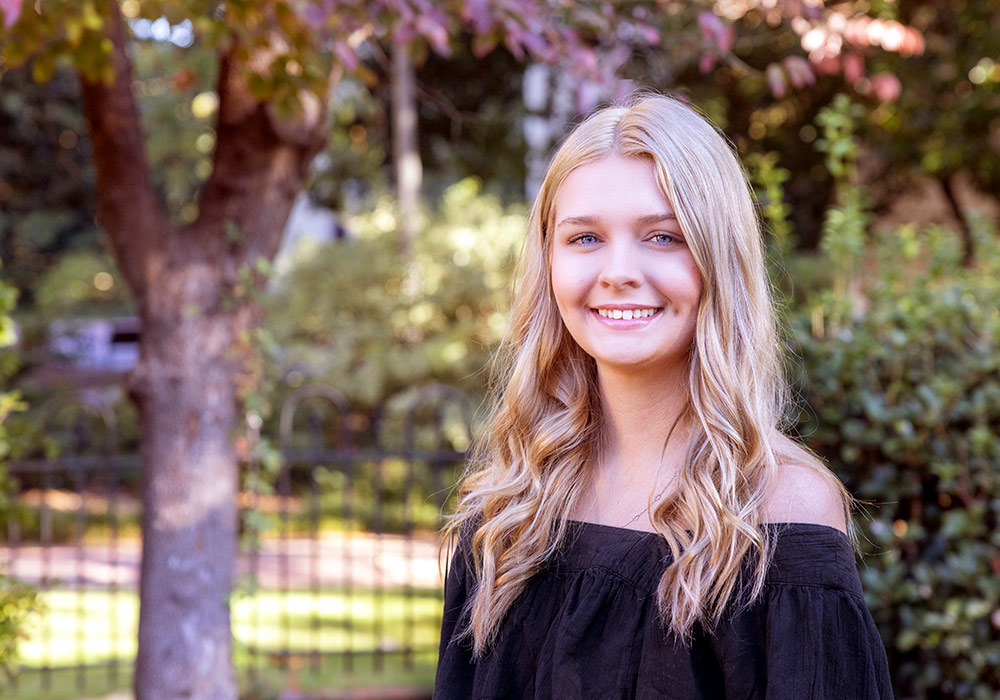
(624, 280)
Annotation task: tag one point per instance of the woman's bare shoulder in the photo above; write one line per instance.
(804, 490)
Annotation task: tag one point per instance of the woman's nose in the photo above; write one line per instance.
(621, 266)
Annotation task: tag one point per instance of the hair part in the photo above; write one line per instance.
(543, 435)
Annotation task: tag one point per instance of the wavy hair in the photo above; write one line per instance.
(543, 435)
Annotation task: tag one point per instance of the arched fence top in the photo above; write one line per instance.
(325, 392)
(443, 410)
(84, 440)
(437, 397)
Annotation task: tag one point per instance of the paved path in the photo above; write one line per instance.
(330, 560)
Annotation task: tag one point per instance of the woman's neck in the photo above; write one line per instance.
(636, 460)
(639, 412)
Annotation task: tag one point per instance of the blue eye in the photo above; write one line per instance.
(584, 239)
(665, 238)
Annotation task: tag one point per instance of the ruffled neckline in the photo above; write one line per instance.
(804, 554)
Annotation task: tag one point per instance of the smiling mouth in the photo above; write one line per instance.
(626, 314)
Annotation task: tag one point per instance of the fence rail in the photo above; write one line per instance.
(338, 566)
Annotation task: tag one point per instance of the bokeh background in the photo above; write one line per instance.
(344, 185)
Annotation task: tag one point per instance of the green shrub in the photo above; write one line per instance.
(17, 601)
(360, 316)
(82, 283)
(902, 395)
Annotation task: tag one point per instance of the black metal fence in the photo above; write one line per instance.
(338, 576)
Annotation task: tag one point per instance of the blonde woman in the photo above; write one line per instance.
(633, 523)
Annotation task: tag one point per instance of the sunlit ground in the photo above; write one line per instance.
(94, 627)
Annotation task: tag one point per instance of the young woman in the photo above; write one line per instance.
(633, 523)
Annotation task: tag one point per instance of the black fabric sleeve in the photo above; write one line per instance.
(822, 644)
(455, 669)
(454, 596)
(810, 635)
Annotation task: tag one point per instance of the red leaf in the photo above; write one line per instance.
(800, 73)
(584, 59)
(913, 42)
(435, 33)
(650, 34)
(886, 86)
(403, 34)
(482, 44)
(11, 11)
(709, 24)
(854, 67)
(726, 38)
(479, 14)
(514, 47)
(345, 55)
(535, 43)
(828, 65)
(714, 32)
(707, 62)
(776, 80)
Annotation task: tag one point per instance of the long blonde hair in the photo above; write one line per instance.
(529, 468)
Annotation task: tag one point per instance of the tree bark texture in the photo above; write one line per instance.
(187, 406)
(185, 384)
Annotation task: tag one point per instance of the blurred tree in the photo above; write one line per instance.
(46, 176)
(193, 276)
(173, 82)
(471, 113)
(194, 272)
(764, 70)
(469, 110)
(350, 169)
(947, 119)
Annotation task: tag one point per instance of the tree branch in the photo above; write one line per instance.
(127, 205)
(259, 167)
(965, 231)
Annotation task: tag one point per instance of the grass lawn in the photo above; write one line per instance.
(274, 635)
(263, 683)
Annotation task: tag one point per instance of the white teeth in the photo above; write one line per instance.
(626, 314)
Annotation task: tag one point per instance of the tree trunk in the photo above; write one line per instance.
(184, 388)
(405, 152)
(185, 385)
(964, 230)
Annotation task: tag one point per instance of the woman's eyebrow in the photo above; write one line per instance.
(644, 220)
(648, 219)
(578, 221)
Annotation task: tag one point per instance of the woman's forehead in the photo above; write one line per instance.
(613, 187)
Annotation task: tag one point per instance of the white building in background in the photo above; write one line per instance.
(90, 354)
(105, 345)
(309, 227)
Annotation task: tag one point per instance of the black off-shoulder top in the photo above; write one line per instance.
(586, 627)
